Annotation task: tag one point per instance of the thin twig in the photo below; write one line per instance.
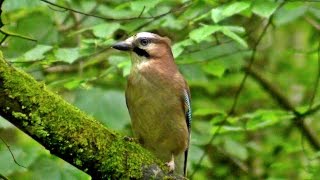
(16, 35)
(313, 22)
(80, 21)
(216, 57)
(3, 177)
(59, 10)
(3, 39)
(144, 7)
(111, 19)
(317, 80)
(183, 6)
(8, 147)
(311, 111)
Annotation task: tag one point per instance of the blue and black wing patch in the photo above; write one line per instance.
(187, 105)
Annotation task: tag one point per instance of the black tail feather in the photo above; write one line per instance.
(185, 163)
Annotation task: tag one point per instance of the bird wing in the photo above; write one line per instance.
(187, 109)
(187, 104)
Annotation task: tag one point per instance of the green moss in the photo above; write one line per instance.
(130, 161)
(19, 115)
(66, 131)
(78, 162)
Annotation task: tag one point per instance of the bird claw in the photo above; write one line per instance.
(170, 165)
(130, 139)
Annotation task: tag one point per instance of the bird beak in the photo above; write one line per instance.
(122, 46)
(125, 45)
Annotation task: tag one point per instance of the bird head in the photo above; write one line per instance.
(145, 46)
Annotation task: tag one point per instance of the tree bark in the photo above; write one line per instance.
(69, 133)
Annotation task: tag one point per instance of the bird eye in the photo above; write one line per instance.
(144, 42)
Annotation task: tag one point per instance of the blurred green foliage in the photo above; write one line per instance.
(212, 41)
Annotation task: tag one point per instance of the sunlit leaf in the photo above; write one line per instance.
(126, 67)
(225, 129)
(222, 12)
(68, 55)
(235, 37)
(139, 5)
(215, 68)
(105, 30)
(202, 33)
(263, 118)
(37, 53)
(178, 48)
(264, 8)
(9, 6)
(73, 84)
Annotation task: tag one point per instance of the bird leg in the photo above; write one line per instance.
(170, 164)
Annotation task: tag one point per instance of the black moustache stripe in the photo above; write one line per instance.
(141, 52)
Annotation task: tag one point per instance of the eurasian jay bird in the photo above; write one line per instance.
(158, 99)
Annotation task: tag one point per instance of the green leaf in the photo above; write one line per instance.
(302, 109)
(264, 8)
(205, 15)
(235, 37)
(105, 30)
(315, 11)
(194, 73)
(25, 154)
(202, 33)
(236, 149)
(13, 5)
(68, 55)
(207, 111)
(51, 167)
(223, 51)
(116, 59)
(4, 123)
(121, 62)
(222, 12)
(225, 129)
(108, 106)
(218, 119)
(73, 83)
(289, 13)
(126, 67)
(264, 118)
(215, 68)
(146, 4)
(37, 53)
(178, 48)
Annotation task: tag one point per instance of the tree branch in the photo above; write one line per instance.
(276, 94)
(70, 134)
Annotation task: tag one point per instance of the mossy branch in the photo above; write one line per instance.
(69, 133)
